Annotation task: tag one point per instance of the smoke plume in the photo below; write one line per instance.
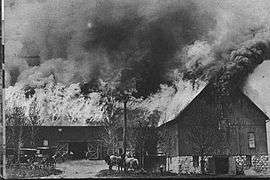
(83, 41)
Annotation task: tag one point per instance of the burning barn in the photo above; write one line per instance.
(72, 61)
(217, 130)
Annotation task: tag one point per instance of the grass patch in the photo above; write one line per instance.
(116, 173)
(28, 172)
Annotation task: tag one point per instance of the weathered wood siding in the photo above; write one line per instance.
(68, 134)
(169, 139)
(246, 118)
(242, 116)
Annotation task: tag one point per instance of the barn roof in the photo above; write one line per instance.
(250, 93)
(183, 99)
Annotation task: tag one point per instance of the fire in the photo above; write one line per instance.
(78, 42)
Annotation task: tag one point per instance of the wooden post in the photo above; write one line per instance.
(3, 127)
(124, 129)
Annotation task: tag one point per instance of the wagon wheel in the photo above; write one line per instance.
(92, 152)
(53, 163)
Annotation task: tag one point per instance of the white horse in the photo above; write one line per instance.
(131, 163)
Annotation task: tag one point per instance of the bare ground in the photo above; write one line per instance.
(80, 169)
(98, 168)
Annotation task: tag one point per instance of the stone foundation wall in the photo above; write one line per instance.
(184, 164)
(259, 163)
(173, 164)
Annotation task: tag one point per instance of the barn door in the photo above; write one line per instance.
(222, 165)
(92, 151)
(62, 151)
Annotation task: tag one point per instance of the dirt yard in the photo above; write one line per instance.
(80, 169)
(98, 168)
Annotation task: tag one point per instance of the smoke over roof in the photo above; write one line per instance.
(83, 41)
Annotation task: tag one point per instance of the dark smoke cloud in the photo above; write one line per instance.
(87, 40)
(156, 39)
(242, 62)
(151, 30)
(240, 44)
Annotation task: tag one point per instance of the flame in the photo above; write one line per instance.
(82, 41)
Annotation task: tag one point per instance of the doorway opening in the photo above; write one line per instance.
(222, 164)
(78, 149)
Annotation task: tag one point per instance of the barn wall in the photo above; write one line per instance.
(169, 140)
(247, 118)
(242, 117)
(185, 149)
(202, 111)
(68, 134)
(239, 144)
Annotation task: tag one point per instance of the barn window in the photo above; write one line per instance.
(251, 140)
(195, 161)
(45, 143)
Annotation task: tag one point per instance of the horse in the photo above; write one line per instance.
(131, 163)
(114, 160)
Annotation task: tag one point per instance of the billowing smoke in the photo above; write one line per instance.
(83, 41)
(100, 37)
(240, 44)
(242, 62)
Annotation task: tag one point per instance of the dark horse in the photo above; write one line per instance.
(114, 160)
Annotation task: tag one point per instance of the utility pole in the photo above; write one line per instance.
(125, 98)
(126, 94)
(125, 126)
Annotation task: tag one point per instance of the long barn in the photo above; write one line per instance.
(76, 139)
